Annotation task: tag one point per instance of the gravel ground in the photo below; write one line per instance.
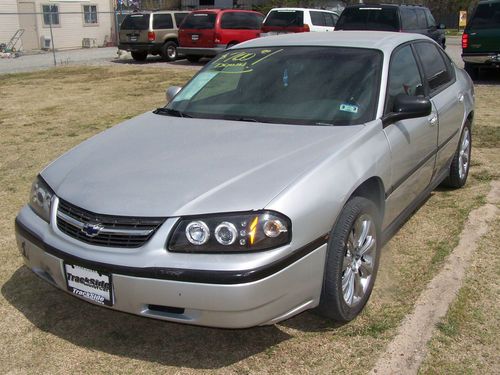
(85, 56)
(109, 56)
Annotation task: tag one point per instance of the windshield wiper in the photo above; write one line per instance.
(170, 112)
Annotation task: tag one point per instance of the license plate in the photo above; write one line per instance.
(133, 39)
(89, 284)
(195, 37)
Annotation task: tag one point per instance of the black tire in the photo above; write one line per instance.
(333, 304)
(193, 58)
(443, 43)
(472, 70)
(139, 56)
(458, 170)
(169, 51)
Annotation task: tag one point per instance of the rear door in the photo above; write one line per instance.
(484, 29)
(198, 30)
(321, 21)
(445, 97)
(163, 25)
(134, 28)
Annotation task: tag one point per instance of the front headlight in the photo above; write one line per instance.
(236, 232)
(41, 198)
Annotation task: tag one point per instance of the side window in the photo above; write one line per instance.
(404, 77)
(162, 21)
(408, 19)
(421, 20)
(436, 71)
(179, 17)
(330, 20)
(317, 18)
(430, 20)
(241, 20)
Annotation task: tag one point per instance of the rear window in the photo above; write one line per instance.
(199, 21)
(369, 18)
(241, 21)
(162, 21)
(136, 22)
(283, 18)
(486, 16)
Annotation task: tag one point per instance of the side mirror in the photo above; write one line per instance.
(442, 26)
(171, 92)
(406, 107)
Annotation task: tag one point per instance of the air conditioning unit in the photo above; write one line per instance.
(89, 43)
(46, 42)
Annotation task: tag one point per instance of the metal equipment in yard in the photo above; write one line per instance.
(11, 45)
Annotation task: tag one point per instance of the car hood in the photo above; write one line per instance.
(155, 165)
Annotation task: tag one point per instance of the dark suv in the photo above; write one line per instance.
(406, 18)
(481, 38)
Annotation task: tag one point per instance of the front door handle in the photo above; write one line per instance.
(433, 120)
(461, 98)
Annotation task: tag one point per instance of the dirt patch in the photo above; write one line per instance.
(408, 349)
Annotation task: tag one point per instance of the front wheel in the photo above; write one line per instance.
(169, 51)
(459, 168)
(352, 261)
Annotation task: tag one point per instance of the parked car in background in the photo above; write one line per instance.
(298, 20)
(205, 33)
(481, 38)
(267, 186)
(385, 17)
(152, 33)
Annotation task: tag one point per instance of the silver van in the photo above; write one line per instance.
(151, 33)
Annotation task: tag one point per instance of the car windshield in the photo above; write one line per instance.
(372, 18)
(136, 22)
(290, 85)
(487, 16)
(199, 21)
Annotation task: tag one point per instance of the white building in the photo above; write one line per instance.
(74, 22)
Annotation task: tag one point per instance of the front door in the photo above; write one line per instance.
(27, 21)
(413, 142)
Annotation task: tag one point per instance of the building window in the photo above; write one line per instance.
(50, 15)
(90, 14)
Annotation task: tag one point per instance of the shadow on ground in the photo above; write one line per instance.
(116, 333)
(156, 60)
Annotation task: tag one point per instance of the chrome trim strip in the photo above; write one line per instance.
(80, 225)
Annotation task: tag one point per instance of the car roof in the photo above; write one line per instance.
(313, 9)
(383, 40)
(375, 5)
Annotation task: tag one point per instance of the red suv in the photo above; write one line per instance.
(210, 31)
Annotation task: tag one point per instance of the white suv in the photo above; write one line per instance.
(298, 20)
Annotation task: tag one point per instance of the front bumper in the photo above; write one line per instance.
(482, 58)
(227, 299)
(196, 51)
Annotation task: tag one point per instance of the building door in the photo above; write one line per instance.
(27, 21)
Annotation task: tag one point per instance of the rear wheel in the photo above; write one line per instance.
(472, 70)
(352, 261)
(169, 51)
(193, 58)
(459, 169)
(139, 56)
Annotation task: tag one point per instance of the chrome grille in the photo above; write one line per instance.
(110, 231)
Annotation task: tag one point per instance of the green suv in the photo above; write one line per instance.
(481, 38)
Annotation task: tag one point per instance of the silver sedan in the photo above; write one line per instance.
(267, 186)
